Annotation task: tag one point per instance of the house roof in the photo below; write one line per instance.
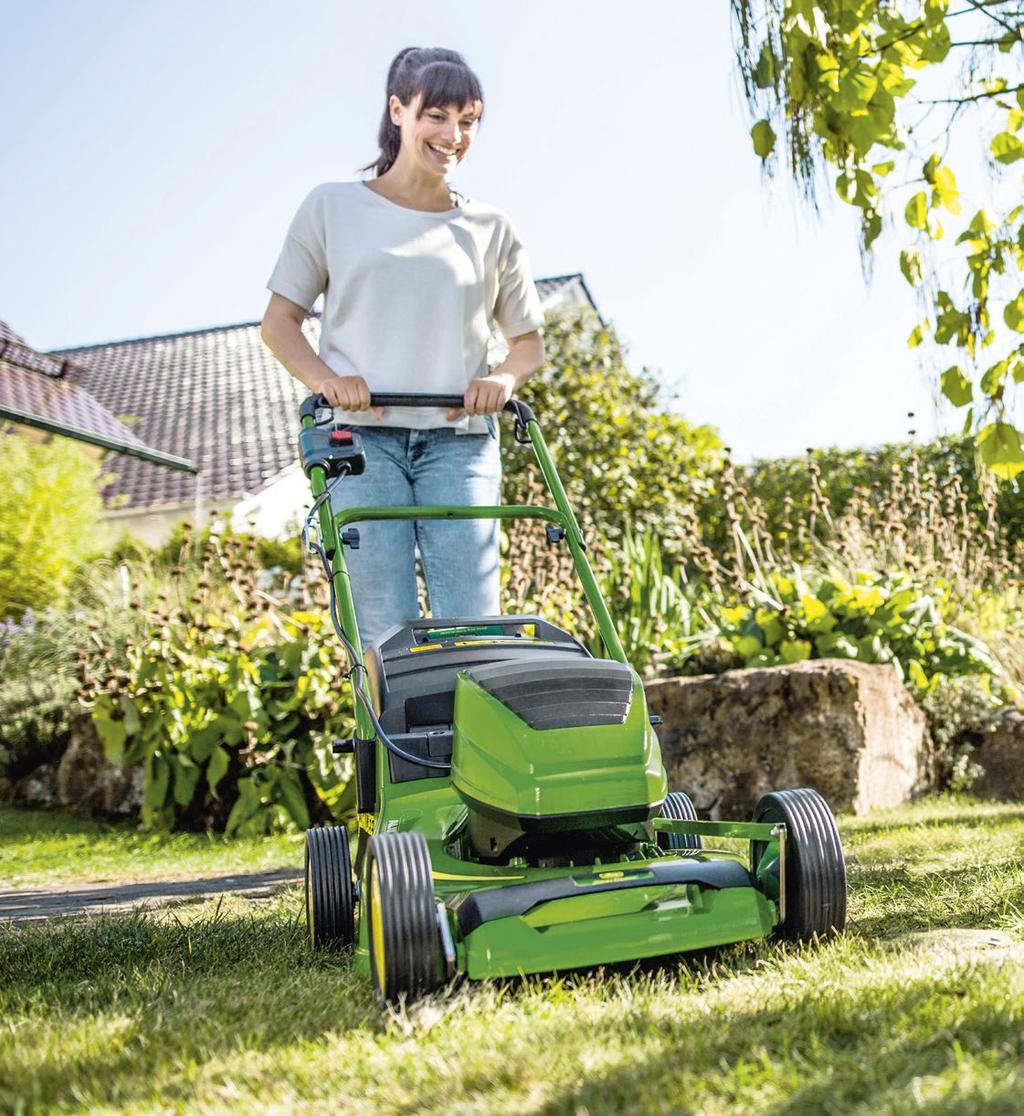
(36, 391)
(217, 397)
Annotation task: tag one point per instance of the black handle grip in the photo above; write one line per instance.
(314, 403)
(384, 399)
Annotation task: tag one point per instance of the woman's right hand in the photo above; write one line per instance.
(350, 393)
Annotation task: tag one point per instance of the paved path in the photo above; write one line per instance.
(28, 903)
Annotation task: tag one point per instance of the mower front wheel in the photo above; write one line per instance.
(405, 941)
(815, 899)
(330, 892)
(678, 807)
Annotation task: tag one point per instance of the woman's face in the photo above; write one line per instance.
(438, 139)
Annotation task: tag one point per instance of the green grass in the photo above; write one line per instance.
(222, 1008)
(43, 848)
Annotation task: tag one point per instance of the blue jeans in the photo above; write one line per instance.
(460, 557)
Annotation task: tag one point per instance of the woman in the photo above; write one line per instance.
(414, 277)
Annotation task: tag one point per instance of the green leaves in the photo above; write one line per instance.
(910, 265)
(763, 138)
(242, 721)
(1007, 148)
(956, 387)
(842, 77)
(1013, 313)
(1000, 448)
(875, 619)
(916, 211)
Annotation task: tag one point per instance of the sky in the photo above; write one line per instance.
(154, 154)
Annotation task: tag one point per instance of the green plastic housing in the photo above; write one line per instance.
(543, 780)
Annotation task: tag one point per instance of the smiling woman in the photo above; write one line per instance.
(415, 279)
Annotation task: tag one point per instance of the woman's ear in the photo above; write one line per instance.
(395, 108)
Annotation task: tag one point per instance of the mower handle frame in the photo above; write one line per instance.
(332, 523)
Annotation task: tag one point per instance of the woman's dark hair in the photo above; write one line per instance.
(441, 76)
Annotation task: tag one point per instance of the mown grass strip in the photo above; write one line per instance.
(44, 848)
(222, 1007)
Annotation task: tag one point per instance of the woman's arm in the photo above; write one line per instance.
(281, 331)
(489, 394)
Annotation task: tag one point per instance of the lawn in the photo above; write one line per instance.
(39, 848)
(220, 1007)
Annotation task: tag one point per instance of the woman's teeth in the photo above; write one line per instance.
(441, 151)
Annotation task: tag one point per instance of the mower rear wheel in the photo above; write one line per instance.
(815, 868)
(678, 807)
(405, 940)
(330, 892)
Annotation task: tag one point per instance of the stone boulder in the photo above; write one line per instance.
(849, 730)
(86, 781)
(999, 753)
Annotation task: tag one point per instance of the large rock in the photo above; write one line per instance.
(849, 730)
(89, 783)
(999, 752)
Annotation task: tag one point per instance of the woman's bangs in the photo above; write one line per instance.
(444, 83)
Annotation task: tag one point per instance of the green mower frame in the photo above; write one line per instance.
(417, 901)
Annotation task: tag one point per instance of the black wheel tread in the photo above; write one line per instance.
(408, 916)
(330, 892)
(815, 868)
(678, 807)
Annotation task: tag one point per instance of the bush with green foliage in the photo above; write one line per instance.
(50, 511)
(871, 618)
(232, 716)
(624, 461)
(942, 477)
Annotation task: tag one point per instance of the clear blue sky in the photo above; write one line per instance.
(154, 153)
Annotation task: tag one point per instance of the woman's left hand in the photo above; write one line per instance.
(486, 395)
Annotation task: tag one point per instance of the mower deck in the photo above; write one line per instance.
(509, 920)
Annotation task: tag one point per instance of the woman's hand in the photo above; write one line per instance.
(350, 393)
(487, 395)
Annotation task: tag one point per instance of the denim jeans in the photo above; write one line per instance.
(460, 557)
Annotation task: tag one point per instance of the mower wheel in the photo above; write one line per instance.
(405, 940)
(678, 807)
(330, 893)
(815, 868)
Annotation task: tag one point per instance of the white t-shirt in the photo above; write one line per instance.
(410, 298)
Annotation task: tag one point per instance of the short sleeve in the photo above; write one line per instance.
(517, 309)
(300, 274)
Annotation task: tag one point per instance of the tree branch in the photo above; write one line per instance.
(974, 97)
(984, 10)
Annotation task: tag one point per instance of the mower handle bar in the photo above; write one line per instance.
(313, 403)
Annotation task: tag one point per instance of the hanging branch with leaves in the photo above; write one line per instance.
(877, 93)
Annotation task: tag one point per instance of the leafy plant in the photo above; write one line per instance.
(959, 711)
(232, 718)
(50, 510)
(660, 617)
(626, 463)
(872, 618)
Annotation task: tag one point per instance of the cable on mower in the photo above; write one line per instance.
(358, 670)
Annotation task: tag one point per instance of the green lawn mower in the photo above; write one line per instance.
(513, 810)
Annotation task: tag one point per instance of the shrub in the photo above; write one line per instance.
(871, 618)
(959, 711)
(50, 510)
(36, 698)
(229, 700)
